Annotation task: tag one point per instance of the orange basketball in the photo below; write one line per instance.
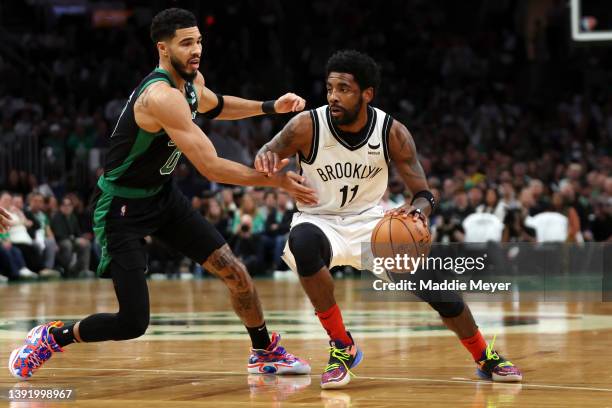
(395, 235)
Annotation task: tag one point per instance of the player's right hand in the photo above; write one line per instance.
(293, 183)
(269, 163)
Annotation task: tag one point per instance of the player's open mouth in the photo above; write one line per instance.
(335, 111)
(194, 63)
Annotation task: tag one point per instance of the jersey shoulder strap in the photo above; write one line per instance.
(387, 122)
(314, 146)
(158, 74)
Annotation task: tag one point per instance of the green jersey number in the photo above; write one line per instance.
(171, 163)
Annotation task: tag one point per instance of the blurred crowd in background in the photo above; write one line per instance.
(509, 117)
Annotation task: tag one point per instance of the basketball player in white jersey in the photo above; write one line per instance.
(344, 150)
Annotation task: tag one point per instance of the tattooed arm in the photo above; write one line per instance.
(295, 137)
(404, 155)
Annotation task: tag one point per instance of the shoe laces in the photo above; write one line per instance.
(341, 356)
(34, 360)
(277, 351)
(492, 354)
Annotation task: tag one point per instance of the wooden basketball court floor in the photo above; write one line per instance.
(195, 351)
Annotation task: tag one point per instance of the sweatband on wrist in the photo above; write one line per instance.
(268, 107)
(426, 194)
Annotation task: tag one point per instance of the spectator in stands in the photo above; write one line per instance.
(461, 206)
(248, 207)
(541, 203)
(11, 254)
(515, 229)
(74, 253)
(21, 239)
(474, 197)
(507, 200)
(558, 204)
(526, 200)
(490, 204)
(12, 262)
(601, 221)
(248, 246)
(41, 229)
(227, 202)
(278, 224)
(217, 217)
(448, 228)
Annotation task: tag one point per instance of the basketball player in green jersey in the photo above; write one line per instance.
(136, 197)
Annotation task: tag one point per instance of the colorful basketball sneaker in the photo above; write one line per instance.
(341, 359)
(38, 348)
(494, 367)
(276, 360)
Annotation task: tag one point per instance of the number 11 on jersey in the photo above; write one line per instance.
(344, 190)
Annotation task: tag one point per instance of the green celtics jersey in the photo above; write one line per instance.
(138, 162)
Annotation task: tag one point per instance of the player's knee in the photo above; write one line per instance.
(136, 329)
(131, 328)
(133, 325)
(448, 309)
(310, 248)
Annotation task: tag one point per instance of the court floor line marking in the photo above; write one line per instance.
(407, 379)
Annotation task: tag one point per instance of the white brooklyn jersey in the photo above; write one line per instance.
(348, 180)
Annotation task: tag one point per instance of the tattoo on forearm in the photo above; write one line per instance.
(282, 140)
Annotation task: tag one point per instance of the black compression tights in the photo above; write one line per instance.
(133, 317)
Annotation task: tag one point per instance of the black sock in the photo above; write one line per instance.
(260, 339)
(63, 335)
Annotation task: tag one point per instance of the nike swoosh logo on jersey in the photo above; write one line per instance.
(373, 146)
(329, 147)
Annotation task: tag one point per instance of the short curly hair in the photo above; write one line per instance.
(166, 22)
(363, 68)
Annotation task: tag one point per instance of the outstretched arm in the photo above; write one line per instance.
(233, 107)
(295, 137)
(404, 155)
(169, 108)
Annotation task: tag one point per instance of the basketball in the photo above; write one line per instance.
(401, 236)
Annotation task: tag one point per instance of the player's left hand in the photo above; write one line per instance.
(406, 211)
(289, 102)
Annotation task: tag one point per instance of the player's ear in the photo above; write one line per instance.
(368, 94)
(162, 48)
